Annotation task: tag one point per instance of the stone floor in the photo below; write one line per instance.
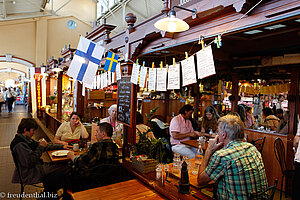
(8, 127)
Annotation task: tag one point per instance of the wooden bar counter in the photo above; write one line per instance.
(51, 121)
(272, 166)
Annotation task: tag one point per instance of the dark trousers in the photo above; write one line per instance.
(1, 103)
(10, 102)
(296, 192)
(55, 176)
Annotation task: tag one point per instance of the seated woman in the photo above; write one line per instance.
(209, 120)
(249, 121)
(270, 120)
(141, 127)
(117, 127)
(283, 126)
(70, 130)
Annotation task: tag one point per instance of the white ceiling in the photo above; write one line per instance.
(16, 9)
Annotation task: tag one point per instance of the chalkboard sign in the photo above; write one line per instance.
(124, 101)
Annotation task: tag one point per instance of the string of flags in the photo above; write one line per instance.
(165, 77)
(88, 55)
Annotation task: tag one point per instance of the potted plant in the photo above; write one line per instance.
(154, 150)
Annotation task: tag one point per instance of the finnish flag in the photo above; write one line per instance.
(86, 60)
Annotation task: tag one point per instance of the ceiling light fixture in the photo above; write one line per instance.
(173, 24)
(57, 69)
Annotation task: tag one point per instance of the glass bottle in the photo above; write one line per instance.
(198, 159)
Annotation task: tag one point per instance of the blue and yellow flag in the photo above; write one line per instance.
(111, 62)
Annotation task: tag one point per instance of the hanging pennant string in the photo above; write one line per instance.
(161, 64)
(174, 62)
(220, 35)
(241, 17)
(153, 65)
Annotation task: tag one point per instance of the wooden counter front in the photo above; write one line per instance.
(272, 166)
(169, 190)
(132, 189)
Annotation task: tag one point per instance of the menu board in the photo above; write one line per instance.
(124, 101)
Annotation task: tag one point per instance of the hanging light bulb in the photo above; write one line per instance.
(173, 24)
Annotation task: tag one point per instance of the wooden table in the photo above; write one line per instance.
(194, 143)
(132, 189)
(55, 159)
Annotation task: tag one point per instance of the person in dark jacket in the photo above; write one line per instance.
(28, 154)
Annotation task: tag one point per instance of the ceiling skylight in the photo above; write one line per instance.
(277, 26)
(252, 32)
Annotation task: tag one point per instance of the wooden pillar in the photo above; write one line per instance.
(167, 104)
(129, 132)
(235, 92)
(48, 91)
(293, 102)
(59, 95)
(80, 100)
(196, 100)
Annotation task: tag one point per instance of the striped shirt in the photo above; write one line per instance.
(238, 170)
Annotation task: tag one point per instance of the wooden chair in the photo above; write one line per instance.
(263, 195)
(19, 173)
(280, 156)
(259, 143)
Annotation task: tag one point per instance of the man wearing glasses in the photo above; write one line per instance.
(235, 166)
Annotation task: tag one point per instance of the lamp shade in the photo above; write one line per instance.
(57, 69)
(171, 24)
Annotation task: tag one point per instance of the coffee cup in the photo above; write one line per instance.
(76, 147)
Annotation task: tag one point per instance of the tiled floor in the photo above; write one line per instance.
(8, 127)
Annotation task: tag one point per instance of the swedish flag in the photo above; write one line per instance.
(111, 62)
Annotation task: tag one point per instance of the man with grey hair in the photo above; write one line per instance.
(236, 166)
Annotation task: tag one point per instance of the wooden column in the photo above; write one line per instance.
(48, 91)
(235, 92)
(167, 100)
(80, 100)
(129, 132)
(59, 95)
(196, 100)
(293, 102)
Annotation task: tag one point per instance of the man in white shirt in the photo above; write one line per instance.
(10, 98)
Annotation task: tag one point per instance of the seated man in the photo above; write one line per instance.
(105, 151)
(236, 166)
(181, 129)
(28, 154)
(142, 128)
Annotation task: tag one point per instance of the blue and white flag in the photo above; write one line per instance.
(86, 60)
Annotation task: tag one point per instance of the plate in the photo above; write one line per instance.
(60, 153)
